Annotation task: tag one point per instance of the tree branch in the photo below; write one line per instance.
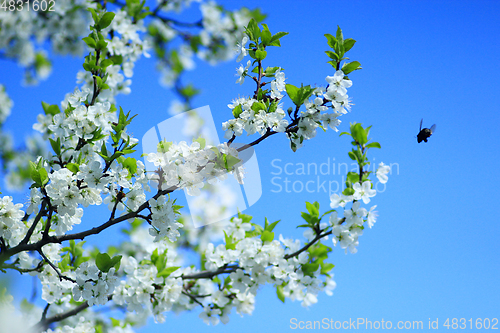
(61, 277)
(210, 274)
(44, 323)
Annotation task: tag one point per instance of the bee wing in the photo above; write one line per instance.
(433, 128)
(421, 123)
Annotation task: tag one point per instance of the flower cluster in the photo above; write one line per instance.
(334, 97)
(252, 121)
(144, 291)
(251, 116)
(163, 222)
(347, 230)
(23, 31)
(226, 28)
(220, 30)
(80, 122)
(187, 166)
(259, 263)
(93, 285)
(5, 104)
(10, 217)
(252, 264)
(126, 43)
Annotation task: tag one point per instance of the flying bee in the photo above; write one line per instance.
(425, 133)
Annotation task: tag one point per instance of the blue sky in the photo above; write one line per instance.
(433, 252)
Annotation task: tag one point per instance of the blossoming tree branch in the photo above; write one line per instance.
(90, 163)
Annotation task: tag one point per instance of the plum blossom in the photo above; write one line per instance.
(363, 192)
(382, 172)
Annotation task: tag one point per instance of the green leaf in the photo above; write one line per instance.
(131, 165)
(117, 59)
(319, 251)
(332, 55)
(292, 91)
(106, 62)
(245, 218)
(350, 67)
(237, 111)
(101, 45)
(98, 80)
(310, 219)
(89, 41)
(257, 106)
(348, 191)
(189, 91)
(103, 261)
(252, 30)
(94, 14)
(73, 167)
(327, 212)
(340, 36)
(228, 239)
(50, 109)
(230, 161)
(270, 71)
(115, 262)
(163, 146)
(271, 226)
(348, 44)
(115, 322)
(38, 174)
(299, 95)
(359, 134)
(65, 263)
(275, 43)
(267, 236)
(201, 141)
(260, 54)
(280, 293)
(313, 208)
(106, 20)
(307, 217)
(56, 146)
(266, 35)
(44, 176)
(88, 67)
(167, 271)
(332, 41)
(261, 94)
(255, 70)
(275, 40)
(310, 268)
(273, 107)
(352, 177)
(373, 145)
(333, 63)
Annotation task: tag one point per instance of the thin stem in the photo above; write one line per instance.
(61, 277)
(44, 323)
(193, 298)
(210, 274)
(96, 91)
(35, 222)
